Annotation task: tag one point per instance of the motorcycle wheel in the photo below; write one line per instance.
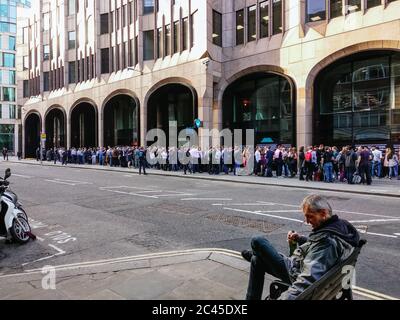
(17, 232)
(23, 214)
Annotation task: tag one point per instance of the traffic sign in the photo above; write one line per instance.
(43, 136)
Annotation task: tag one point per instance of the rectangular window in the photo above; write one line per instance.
(26, 89)
(177, 37)
(336, 8)
(71, 7)
(316, 10)
(167, 40)
(8, 60)
(159, 43)
(25, 35)
(148, 6)
(239, 27)
(26, 62)
(46, 21)
(112, 21)
(217, 28)
(185, 34)
(264, 19)
(46, 81)
(251, 23)
(46, 52)
(277, 17)
(8, 94)
(104, 23)
(71, 72)
(373, 3)
(71, 40)
(124, 15)
(353, 6)
(11, 43)
(148, 45)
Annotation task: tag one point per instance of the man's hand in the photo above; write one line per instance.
(293, 236)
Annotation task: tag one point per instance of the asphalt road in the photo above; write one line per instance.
(84, 215)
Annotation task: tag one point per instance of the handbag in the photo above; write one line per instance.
(356, 178)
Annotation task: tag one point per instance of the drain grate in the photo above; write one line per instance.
(237, 221)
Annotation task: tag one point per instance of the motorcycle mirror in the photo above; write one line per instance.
(7, 174)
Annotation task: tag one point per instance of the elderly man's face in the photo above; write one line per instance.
(315, 219)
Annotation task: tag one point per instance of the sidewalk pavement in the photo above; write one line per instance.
(380, 187)
(204, 274)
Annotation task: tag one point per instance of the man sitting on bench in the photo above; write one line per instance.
(331, 241)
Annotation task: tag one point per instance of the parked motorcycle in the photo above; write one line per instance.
(14, 224)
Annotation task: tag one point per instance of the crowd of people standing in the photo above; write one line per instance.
(313, 163)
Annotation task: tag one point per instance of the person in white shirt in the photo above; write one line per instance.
(376, 162)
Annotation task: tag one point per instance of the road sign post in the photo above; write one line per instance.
(43, 138)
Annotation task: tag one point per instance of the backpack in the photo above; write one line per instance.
(308, 157)
(141, 154)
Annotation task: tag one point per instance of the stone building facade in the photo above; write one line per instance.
(101, 73)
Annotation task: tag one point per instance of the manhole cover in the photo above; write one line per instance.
(236, 221)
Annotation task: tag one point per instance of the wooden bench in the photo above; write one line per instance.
(329, 287)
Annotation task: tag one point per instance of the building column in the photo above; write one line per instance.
(68, 131)
(304, 115)
(16, 138)
(143, 122)
(100, 126)
(205, 111)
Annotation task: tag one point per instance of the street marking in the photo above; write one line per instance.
(397, 234)
(141, 192)
(374, 220)
(278, 211)
(378, 234)
(69, 182)
(22, 176)
(59, 253)
(265, 215)
(375, 294)
(242, 204)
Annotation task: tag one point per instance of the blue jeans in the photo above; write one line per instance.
(328, 172)
(376, 165)
(265, 260)
(393, 172)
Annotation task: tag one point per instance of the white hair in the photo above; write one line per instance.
(316, 203)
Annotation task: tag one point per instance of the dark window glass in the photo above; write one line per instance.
(353, 6)
(263, 102)
(148, 45)
(251, 23)
(26, 89)
(46, 81)
(264, 19)
(159, 43)
(185, 34)
(104, 23)
(71, 40)
(358, 99)
(373, 3)
(217, 28)
(316, 10)
(336, 7)
(105, 60)
(148, 6)
(71, 72)
(277, 17)
(239, 27)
